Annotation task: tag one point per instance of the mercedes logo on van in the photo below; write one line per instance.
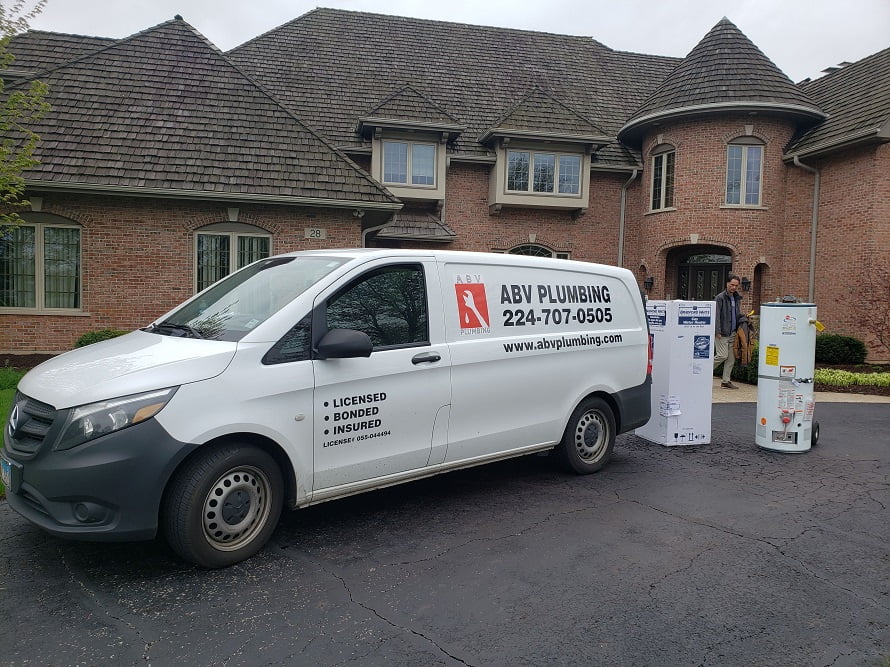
(13, 421)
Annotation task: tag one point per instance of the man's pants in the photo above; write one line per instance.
(723, 354)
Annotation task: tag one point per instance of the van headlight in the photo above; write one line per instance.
(88, 422)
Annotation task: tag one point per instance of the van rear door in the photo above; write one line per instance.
(381, 414)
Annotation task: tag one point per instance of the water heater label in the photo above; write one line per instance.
(694, 316)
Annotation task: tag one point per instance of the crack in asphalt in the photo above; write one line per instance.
(91, 595)
(778, 548)
(527, 528)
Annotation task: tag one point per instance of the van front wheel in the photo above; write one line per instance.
(223, 505)
(589, 437)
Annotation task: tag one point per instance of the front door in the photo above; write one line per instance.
(703, 277)
(381, 415)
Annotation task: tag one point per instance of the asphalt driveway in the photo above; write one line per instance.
(720, 554)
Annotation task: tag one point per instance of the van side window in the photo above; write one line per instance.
(388, 304)
(294, 346)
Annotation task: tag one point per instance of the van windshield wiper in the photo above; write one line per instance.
(173, 329)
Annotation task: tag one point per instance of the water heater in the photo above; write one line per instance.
(786, 366)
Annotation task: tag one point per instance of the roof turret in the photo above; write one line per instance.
(725, 72)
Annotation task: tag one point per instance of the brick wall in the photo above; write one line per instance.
(853, 242)
(138, 260)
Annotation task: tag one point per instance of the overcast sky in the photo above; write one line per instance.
(802, 37)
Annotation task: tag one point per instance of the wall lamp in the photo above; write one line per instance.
(746, 284)
(648, 283)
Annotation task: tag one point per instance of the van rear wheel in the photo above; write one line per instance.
(223, 505)
(589, 437)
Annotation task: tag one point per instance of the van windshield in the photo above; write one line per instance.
(237, 304)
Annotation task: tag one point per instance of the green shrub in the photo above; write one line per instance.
(91, 337)
(838, 349)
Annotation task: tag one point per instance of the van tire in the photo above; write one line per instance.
(589, 437)
(223, 505)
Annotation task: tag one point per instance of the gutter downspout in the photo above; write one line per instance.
(814, 226)
(621, 215)
(358, 213)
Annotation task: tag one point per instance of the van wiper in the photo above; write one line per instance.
(173, 329)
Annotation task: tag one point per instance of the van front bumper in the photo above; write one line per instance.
(108, 489)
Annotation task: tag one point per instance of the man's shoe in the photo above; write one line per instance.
(728, 385)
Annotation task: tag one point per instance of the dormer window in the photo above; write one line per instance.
(409, 163)
(540, 172)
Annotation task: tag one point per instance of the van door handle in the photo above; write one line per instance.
(426, 358)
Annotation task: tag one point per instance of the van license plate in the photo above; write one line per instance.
(6, 472)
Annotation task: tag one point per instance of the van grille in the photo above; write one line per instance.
(28, 425)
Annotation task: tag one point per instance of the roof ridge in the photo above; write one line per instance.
(64, 34)
(846, 69)
(379, 15)
(276, 28)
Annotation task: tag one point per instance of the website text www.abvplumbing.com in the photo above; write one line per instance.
(562, 342)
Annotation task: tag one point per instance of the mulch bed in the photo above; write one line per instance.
(23, 361)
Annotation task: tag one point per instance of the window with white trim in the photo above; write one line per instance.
(219, 253)
(409, 163)
(40, 266)
(744, 171)
(663, 160)
(543, 173)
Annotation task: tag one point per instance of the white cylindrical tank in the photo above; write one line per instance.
(786, 366)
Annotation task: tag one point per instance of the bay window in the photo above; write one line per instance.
(545, 173)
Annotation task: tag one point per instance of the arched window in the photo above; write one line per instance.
(225, 247)
(663, 161)
(744, 171)
(40, 264)
(535, 250)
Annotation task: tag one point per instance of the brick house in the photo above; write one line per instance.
(165, 163)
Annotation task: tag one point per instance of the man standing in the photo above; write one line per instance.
(727, 321)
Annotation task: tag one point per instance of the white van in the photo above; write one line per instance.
(315, 375)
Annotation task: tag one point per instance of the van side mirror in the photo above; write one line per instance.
(344, 344)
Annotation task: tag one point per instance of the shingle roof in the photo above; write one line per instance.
(725, 71)
(37, 50)
(540, 114)
(857, 100)
(164, 111)
(417, 226)
(410, 108)
(328, 63)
